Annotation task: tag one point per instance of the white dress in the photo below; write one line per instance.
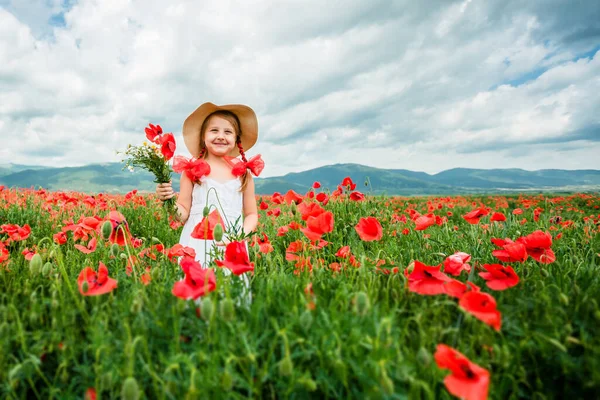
(227, 199)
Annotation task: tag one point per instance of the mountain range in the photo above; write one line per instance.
(111, 178)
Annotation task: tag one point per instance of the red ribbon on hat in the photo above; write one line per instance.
(193, 168)
(238, 167)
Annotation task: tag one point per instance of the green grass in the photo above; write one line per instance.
(56, 343)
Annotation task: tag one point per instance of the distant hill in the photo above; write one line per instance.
(110, 177)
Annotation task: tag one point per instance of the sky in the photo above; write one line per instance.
(420, 85)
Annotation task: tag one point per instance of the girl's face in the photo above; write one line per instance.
(219, 137)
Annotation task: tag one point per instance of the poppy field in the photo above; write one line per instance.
(352, 296)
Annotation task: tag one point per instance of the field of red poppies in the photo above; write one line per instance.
(353, 296)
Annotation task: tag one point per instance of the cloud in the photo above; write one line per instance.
(388, 84)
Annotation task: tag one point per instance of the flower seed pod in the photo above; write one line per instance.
(47, 269)
(423, 356)
(155, 272)
(85, 287)
(218, 232)
(107, 230)
(130, 389)
(286, 367)
(227, 309)
(114, 250)
(361, 303)
(207, 309)
(35, 264)
(306, 320)
(386, 383)
(226, 380)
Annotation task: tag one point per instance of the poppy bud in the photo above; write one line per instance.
(14, 373)
(47, 269)
(386, 383)
(294, 208)
(340, 370)
(123, 256)
(226, 308)
(286, 367)
(207, 309)
(85, 287)
(564, 299)
(35, 265)
(218, 232)
(114, 250)
(423, 356)
(155, 272)
(361, 303)
(107, 229)
(106, 381)
(226, 381)
(306, 320)
(136, 305)
(206, 211)
(155, 240)
(130, 389)
(308, 384)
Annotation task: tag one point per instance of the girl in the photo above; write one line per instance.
(216, 134)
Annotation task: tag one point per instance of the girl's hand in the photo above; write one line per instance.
(223, 242)
(164, 191)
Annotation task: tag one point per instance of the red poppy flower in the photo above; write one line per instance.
(277, 198)
(263, 205)
(15, 232)
(424, 221)
(291, 253)
(167, 145)
(538, 246)
(357, 196)
(27, 253)
(467, 380)
(292, 197)
(90, 248)
(511, 251)
(194, 169)
(236, 258)
(318, 226)
(60, 238)
(152, 132)
(499, 277)
(456, 263)
(482, 306)
(179, 250)
(120, 228)
(4, 254)
(426, 280)
(343, 252)
(97, 283)
(473, 217)
(369, 229)
(264, 245)
(456, 288)
(316, 185)
(322, 198)
(282, 230)
(347, 182)
(517, 211)
(498, 217)
(204, 229)
(310, 210)
(198, 281)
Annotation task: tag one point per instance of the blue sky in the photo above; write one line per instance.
(391, 84)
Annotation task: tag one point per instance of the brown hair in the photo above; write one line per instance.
(235, 122)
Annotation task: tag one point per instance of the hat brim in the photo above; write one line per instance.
(193, 124)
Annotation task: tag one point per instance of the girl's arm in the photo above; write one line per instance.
(250, 209)
(184, 201)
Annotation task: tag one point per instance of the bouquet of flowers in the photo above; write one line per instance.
(154, 157)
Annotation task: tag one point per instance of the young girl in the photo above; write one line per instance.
(216, 134)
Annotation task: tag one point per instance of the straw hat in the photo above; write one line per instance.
(193, 124)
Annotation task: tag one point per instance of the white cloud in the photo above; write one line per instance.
(388, 84)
